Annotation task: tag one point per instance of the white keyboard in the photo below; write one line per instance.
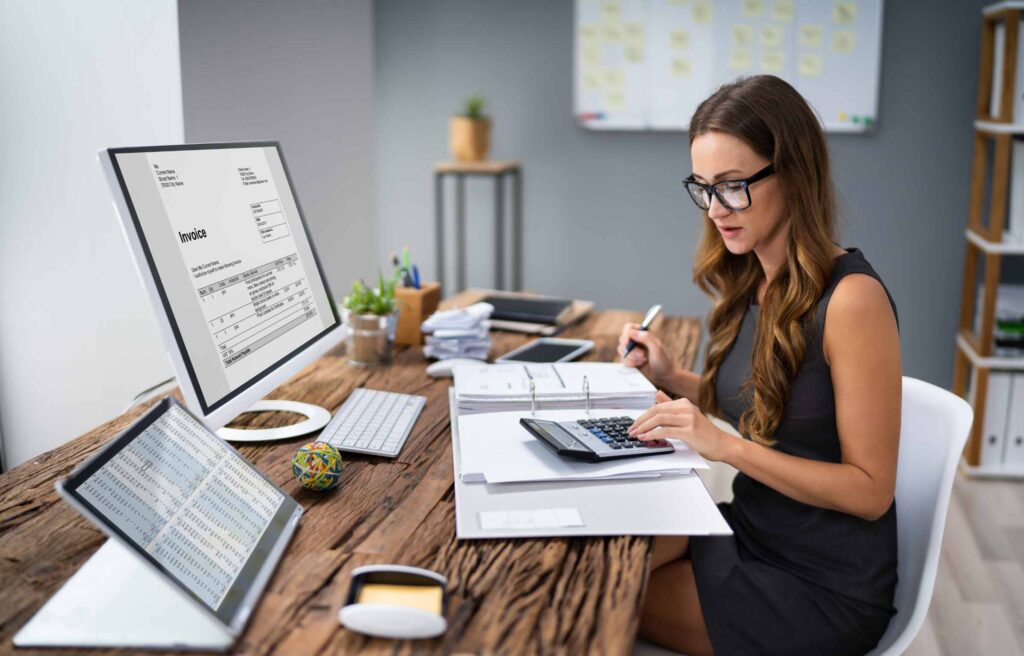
(373, 422)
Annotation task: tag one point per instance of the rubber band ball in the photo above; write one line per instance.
(317, 466)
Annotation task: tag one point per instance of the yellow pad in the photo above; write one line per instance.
(424, 597)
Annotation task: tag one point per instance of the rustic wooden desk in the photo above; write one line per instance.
(575, 596)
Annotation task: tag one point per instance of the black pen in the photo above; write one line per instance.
(652, 314)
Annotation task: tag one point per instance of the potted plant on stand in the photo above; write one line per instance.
(371, 317)
(470, 133)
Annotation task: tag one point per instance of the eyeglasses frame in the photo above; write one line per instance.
(712, 189)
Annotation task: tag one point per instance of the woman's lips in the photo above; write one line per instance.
(729, 232)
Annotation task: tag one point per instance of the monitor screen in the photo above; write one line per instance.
(231, 257)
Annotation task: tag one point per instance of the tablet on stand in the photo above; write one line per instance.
(195, 534)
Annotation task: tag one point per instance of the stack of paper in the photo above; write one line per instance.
(497, 387)
(462, 333)
(495, 448)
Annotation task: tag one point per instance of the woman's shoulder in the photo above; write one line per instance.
(859, 310)
(855, 288)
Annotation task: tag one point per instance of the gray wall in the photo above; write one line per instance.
(302, 73)
(606, 218)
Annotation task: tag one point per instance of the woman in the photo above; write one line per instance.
(803, 358)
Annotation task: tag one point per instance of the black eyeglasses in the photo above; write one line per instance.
(734, 195)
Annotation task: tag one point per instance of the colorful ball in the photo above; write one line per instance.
(317, 466)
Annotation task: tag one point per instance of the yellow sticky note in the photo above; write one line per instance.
(703, 12)
(811, 65)
(743, 35)
(613, 33)
(680, 39)
(589, 33)
(681, 67)
(592, 55)
(843, 41)
(782, 11)
(773, 61)
(634, 54)
(616, 100)
(844, 11)
(740, 60)
(635, 35)
(751, 8)
(592, 79)
(810, 35)
(424, 597)
(610, 14)
(614, 78)
(771, 36)
(679, 3)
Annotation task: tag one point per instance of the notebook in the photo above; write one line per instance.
(532, 310)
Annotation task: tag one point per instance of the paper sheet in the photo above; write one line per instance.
(497, 449)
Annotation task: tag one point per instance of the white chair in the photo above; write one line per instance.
(935, 425)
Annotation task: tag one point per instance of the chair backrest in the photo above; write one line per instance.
(934, 427)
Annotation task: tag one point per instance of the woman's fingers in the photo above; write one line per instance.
(636, 358)
(661, 397)
(660, 433)
(680, 418)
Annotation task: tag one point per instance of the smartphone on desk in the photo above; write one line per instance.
(548, 349)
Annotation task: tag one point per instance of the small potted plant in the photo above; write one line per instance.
(470, 132)
(371, 316)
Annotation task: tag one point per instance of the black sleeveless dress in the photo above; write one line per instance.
(794, 578)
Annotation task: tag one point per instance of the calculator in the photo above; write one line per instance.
(594, 440)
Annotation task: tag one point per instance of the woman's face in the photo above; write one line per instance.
(718, 156)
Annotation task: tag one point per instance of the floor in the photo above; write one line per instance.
(978, 603)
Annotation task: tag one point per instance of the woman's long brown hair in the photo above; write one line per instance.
(773, 119)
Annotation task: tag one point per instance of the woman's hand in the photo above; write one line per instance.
(649, 355)
(682, 420)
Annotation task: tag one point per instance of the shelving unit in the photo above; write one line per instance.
(985, 243)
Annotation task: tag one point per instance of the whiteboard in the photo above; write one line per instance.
(648, 64)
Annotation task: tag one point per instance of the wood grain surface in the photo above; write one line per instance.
(547, 596)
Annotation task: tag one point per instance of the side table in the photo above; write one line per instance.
(502, 172)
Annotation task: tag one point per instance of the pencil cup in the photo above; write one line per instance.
(415, 305)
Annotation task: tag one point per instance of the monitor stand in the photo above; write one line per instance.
(316, 418)
(117, 600)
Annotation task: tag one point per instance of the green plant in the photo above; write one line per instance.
(473, 106)
(379, 301)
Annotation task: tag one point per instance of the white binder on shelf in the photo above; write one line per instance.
(994, 424)
(1014, 452)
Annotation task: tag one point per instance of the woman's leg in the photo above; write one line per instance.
(671, 614)
(667, 548)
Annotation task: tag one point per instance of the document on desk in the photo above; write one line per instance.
(563, 385)
(497, 449)
(665, 505)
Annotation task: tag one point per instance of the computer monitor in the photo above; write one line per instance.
(222, 246)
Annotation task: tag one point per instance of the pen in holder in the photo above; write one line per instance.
(414, 306)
